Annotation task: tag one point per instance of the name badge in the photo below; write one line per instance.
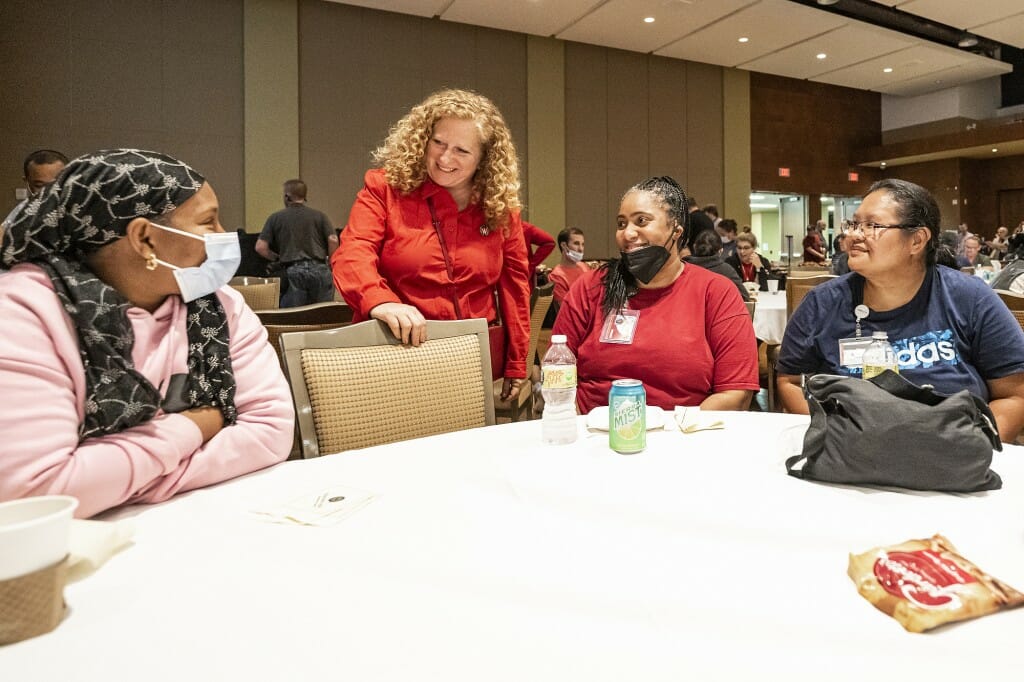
(851, 351)
(620, 327)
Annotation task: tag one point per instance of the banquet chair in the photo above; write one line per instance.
(1015, 302)
(797, 288)
(260, 293)
(303, 318)
(539, 305)
(751, 306)
(358, 386)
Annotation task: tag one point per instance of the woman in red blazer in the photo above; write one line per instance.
(435, 233)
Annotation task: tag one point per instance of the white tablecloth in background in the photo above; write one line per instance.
(488, 556)
(770, 316)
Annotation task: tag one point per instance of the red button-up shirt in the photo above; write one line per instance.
(389, 253)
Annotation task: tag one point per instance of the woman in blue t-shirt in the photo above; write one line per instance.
(948, 329)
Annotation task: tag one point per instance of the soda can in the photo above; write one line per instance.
(627, 416)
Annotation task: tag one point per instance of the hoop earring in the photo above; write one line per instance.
(151, 261)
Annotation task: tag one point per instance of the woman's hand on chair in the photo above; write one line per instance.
(406, 322)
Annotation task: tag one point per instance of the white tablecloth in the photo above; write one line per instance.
(488, 556)
(770, 316)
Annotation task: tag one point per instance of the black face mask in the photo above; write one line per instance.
(648, 261)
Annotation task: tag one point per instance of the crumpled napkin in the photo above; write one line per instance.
(691, 420)
(92, 543)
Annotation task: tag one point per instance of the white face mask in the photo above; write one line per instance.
(223, 256)
(574, 256)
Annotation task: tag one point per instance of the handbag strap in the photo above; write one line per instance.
(791, 462)
(444, 252)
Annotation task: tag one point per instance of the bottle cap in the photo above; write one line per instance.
(558, 338)
(880, 335)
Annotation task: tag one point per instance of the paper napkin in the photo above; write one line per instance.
(691, 420)
(324, 507)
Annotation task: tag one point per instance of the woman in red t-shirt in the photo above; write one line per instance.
(682, 330)
(435, 233)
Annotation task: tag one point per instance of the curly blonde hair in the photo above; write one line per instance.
(496, 182)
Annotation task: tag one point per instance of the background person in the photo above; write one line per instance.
(680, 329)
(726, 229)
(948, 329)
(300, 238)
(707, 253)
(748, 263)
(436, 230)
(972, 252)
(814, 247)
(571, 242)
(130, 372)
(544, 244)
(40, 168)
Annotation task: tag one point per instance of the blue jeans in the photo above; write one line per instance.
(308, 282)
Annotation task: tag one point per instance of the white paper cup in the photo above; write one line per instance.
(773, 286)
(34, 533)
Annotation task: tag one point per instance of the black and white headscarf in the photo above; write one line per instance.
(89, 206)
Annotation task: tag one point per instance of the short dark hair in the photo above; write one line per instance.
(563, 236)
(43, 157)
(712, 209)
(295, 188)
(707, 243)
(917, 208)
(727, 224)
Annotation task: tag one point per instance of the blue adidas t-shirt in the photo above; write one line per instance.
(954, 334)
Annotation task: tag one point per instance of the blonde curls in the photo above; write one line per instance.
(496, 182)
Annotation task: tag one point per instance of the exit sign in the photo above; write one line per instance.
(853, 177)
(783, 172)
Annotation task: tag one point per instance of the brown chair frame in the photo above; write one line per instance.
(540, 303)
(378, 370)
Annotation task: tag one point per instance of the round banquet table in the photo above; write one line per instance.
(486, 555)
(770, 316)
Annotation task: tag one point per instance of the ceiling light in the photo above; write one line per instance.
(821, 55)
(994, 150)
(883, 164)
(756, 197)
(887, 69)
(967, 40)
(648, 20)
(827, 2)
(744, 39)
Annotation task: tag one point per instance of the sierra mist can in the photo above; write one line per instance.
(627, 416)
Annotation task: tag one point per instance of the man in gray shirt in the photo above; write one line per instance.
(302, 239)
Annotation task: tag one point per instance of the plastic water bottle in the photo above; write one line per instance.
(879, 356)
(558, 384)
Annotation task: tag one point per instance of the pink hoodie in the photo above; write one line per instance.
(43, 389)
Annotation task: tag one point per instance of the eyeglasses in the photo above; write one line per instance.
(869, 230)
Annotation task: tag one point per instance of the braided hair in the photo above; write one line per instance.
(619, 283)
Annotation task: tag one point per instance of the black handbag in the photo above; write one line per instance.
(889, 431)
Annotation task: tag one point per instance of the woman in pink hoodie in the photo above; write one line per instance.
(130, 372)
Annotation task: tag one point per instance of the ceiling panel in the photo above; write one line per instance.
(842, 47)
(537, 17)
(422, 8)
(962, 13)
(1009, 30)
(619, 23)
(912, 62)
(770, 25)
(946, 78)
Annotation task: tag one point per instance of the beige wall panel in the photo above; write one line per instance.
(667, 142)
(271, 105)
(144, 73)
(361, 70)
(586, 192)
(704, 176)
(736, 146)
(628, 103)
(544, 154)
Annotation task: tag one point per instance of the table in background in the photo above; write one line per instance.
(770, 316)
(488, 556)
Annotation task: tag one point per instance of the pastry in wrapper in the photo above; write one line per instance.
(926, 583)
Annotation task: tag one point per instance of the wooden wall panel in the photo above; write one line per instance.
(812, 129)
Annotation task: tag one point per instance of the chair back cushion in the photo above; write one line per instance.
(371, 395)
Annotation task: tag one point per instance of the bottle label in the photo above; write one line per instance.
(559, 376)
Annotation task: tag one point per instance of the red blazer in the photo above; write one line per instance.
(544, 242)
(389, 253)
